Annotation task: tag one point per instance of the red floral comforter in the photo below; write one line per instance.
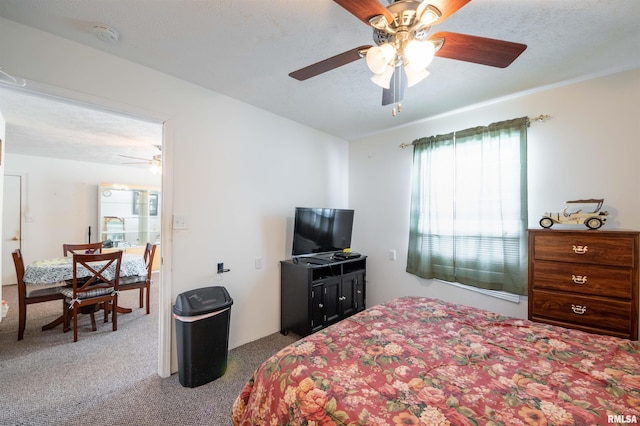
(418, 361)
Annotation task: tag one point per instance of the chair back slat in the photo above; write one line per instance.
(98, 289)
(142, 282)
(149, 254)
(97, 265)
(19, 264)
(90, 248)
(27, 298)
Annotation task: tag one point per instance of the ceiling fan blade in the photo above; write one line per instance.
(366, 9)
(447, 8)
(479, 50)
(330, 63)
(135, 158)
(395, 92)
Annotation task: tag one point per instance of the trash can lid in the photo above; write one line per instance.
(202, 301)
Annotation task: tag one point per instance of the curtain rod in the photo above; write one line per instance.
(541, 117)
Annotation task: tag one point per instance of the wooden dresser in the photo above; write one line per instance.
(586, 280)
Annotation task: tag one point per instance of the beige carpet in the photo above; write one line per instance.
(109, 377)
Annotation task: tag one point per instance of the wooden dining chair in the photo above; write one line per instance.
(97, 289)
(142, 282)
(90, 248)
(37, 295)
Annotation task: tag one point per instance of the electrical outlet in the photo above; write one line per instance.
(220, 267)
(258, 263)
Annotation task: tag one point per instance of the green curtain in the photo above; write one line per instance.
(468, 217)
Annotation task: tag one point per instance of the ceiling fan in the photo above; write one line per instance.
(404, 48)
(154, 162)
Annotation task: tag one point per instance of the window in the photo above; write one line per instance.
(469, 207)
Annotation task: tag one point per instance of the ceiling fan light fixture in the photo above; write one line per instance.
(383, 79)
(378, 57)
(419, 54)
(379, 22)
(155, 165)
(155, 169)
(415, 75)
(427, 13)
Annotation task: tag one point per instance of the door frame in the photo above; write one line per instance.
(165, 319)
(23, 193)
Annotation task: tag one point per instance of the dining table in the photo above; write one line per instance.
(59, 270)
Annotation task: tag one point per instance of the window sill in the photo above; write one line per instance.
(510, 297)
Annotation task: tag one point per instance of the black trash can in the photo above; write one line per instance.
(202, 334)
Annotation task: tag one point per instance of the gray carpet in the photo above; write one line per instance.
(109, 377)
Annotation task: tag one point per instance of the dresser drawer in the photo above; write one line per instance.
(583, 279)
(586, 247)
(611, 316)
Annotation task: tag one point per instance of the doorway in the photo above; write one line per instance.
(86, 105)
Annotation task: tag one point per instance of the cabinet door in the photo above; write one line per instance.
(348, 295)
(331, 294)
(360, 296)
(317, 307)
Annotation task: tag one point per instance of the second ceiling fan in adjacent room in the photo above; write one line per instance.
(155, 162)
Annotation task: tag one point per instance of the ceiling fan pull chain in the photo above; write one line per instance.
(393, 110)
(396, 109)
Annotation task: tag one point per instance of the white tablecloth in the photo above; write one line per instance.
(50, 271)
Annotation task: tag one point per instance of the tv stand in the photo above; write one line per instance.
(317, 292)
(325, 258)
(311, 260)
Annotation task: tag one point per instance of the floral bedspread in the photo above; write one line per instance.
(418, 361)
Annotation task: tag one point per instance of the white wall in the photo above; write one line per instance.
(235, 172)
(61, 199)
(588, 149)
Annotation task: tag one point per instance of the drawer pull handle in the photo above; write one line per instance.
(578, 309)
(320, 305)
(580, 249)
(579, 279)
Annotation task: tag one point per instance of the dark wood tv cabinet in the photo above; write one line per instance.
(314, 295)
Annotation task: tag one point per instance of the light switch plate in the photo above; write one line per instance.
(179, 222)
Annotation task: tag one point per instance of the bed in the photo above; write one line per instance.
(420, 361)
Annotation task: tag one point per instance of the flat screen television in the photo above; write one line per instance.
(321, 230)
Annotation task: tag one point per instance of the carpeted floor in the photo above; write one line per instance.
(109, 377)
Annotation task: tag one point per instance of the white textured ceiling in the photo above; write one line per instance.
(246, 48)
(49, 127)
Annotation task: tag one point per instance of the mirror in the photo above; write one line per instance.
(128, 216)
